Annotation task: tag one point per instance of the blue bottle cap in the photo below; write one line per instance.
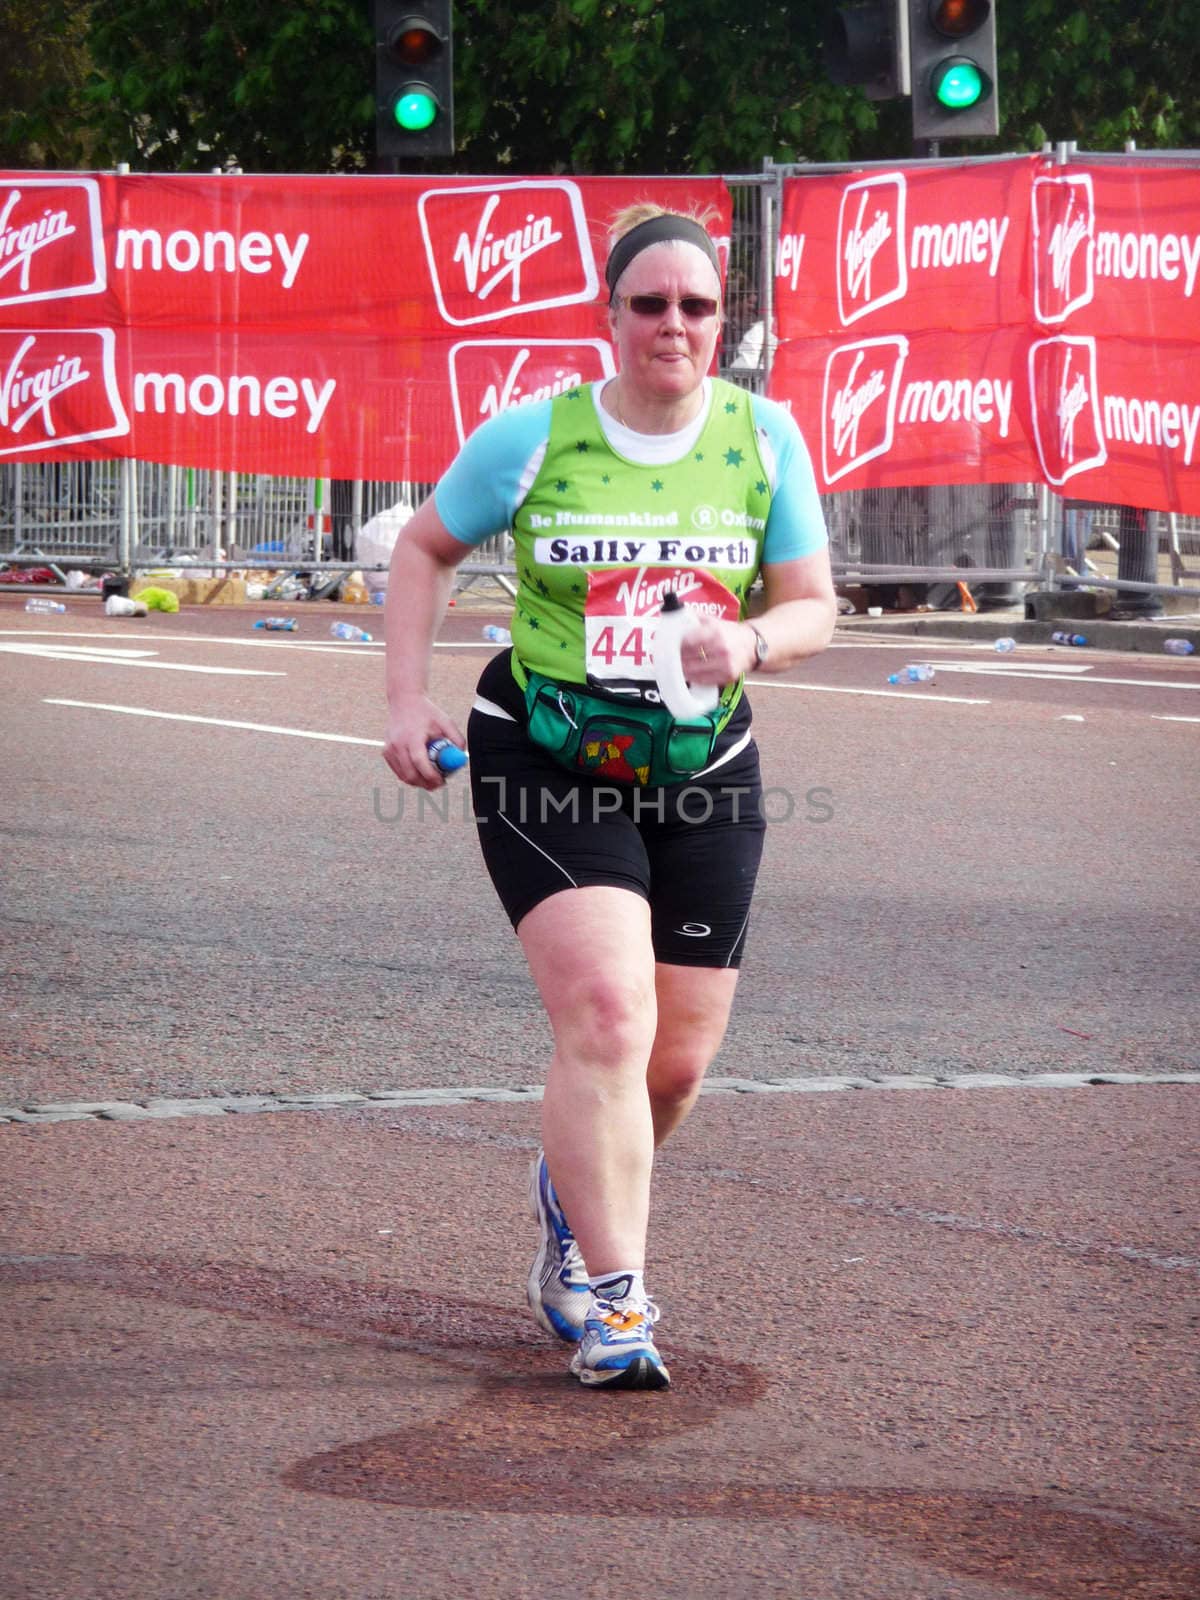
(448, 757)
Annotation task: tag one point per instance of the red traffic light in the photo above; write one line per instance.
(954, 19)
(414, 42)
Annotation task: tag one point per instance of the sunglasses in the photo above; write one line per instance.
(695, 307)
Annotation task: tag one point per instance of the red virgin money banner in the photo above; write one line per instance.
(350, 327)
(1003, 322)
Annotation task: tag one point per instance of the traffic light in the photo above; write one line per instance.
(866, 46)
(952, 51)
(414, 80)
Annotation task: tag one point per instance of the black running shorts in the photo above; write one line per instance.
(690, 849)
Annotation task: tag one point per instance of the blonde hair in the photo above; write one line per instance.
(640, 211)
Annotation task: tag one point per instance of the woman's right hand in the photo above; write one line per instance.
(413, 723)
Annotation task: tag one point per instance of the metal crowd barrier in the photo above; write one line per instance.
(114, 515)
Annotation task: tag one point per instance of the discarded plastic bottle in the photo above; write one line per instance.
(920, 672)
(44, 607)
(1005, 646)
(495, 635)
(1068, 638)
(446, 756)
(120, 605)
(277, 624)
(347, 630)
(1179, 647)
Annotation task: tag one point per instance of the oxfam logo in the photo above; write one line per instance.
(704, 518)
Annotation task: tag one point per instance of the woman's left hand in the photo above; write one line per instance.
(715, 651)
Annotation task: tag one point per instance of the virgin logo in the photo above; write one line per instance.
(51, 242)
(488, 376)
(487, 261)
(58, 388)
(613, 593)
(642, 595)
(858, 414)
(502, 251)
(28, 394)
(1066, 407)
(872, 271)
(1064, 228)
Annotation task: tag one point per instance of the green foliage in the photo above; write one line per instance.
(1099, 76)
(605, 86)
(43, 67)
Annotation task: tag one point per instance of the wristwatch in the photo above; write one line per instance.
(760, 647)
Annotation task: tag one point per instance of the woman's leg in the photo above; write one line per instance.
(693, 1013)
(590, 954)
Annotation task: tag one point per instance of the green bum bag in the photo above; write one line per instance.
(630, 743)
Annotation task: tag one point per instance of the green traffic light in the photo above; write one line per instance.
(959, 84)
(415, 110)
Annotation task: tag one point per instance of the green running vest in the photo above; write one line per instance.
(600, 539)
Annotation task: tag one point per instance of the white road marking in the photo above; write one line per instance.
(918, 643)
(218, 722)
(997, 669)
(107, 651)
(916, 693)
(1015, 669)
(270, 641)
(1156, 716)
(132, 658)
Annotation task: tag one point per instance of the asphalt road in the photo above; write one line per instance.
(927, 1343)
(993, 872)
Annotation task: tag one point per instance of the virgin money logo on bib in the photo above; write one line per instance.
(1065, 399)
(872, 271)
(502, 251)
(51, 243)
(58, 388)
(1064, 232)
(488, 376)
(858, 410)
(622, 612)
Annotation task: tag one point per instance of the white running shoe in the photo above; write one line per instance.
(558, 1288)
(617, 1349)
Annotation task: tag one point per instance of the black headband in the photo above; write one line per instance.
(656, 230)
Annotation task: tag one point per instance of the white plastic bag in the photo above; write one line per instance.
(376, 541)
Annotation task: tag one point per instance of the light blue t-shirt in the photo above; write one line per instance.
(478, 496)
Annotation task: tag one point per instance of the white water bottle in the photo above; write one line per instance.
(678, 695)
(120, 605)
(44, 607)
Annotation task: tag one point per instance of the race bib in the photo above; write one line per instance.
(622, 612)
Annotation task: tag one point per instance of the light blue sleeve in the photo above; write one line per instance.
(796, 522)
(480, 490)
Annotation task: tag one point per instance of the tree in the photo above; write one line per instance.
(1099, 76)
(187, 84)
(43, 68)
(639, 86)
(621, 86)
